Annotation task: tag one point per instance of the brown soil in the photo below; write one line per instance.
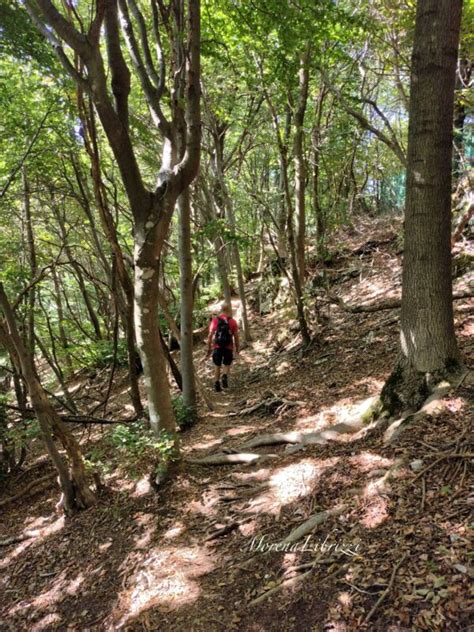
(141, 560)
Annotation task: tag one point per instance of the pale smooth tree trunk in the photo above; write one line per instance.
(240, 274)
(428, 343)
(186, 291)
(300, 165)
(146, 288)
(316, 138)
(30, 332)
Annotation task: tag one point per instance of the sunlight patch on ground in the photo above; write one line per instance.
(147, 522)
(203, 445)
(175, 531)
(142, 487)
(167, 577)
(375, 512)
(384, 286)
(55, 594)
(49, 622)
(375, 506)
(54, 527)
(207, 505)
(288, 484)
(345, 411)
(238, 430)
(367, 461)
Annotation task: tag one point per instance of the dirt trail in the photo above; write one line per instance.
(194, 556)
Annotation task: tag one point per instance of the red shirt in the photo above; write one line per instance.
(232, 326)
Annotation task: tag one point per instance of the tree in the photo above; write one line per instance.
(428, 343)
(152, 209)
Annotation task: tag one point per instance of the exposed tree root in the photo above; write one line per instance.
(29, 488)
(433, 404)
(322, 436)
(314, 521)
(387, 590)
(294, 581)
(231, 459)
(14, 539)
(228, 528)
(269, 405)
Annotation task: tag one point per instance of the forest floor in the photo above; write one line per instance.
(393, 555)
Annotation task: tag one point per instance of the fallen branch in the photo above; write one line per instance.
(223, 531)
(293, 581)
(387, 590)
(89, 419)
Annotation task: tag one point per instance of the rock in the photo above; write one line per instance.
(416, 465)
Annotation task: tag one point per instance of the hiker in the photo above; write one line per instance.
(223, 333)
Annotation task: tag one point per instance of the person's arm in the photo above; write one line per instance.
(209, 342)
(210, 337)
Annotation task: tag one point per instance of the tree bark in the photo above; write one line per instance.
(152, 209)
(316, 157)
(186, 291)
(30, 332)
(300, 165)
(428, 343)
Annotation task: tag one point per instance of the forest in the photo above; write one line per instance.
(236, 315)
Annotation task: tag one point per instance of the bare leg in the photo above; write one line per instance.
(217, 372)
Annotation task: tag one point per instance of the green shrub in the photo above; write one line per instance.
(185, 416)
(100, 354)
(138, 441)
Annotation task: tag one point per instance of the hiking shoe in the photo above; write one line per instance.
(225, 382)
(217, 387)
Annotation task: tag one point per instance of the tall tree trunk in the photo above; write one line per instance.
(316, 138)
(240, 274)
(428, 343)
(30, 337)
(186, 290)
(300, 166)
(282, 216)
(147, 330)
(152, 209)
(107, 221)
(62, 332)
(219, 244)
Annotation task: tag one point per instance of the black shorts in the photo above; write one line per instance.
(222, 356)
